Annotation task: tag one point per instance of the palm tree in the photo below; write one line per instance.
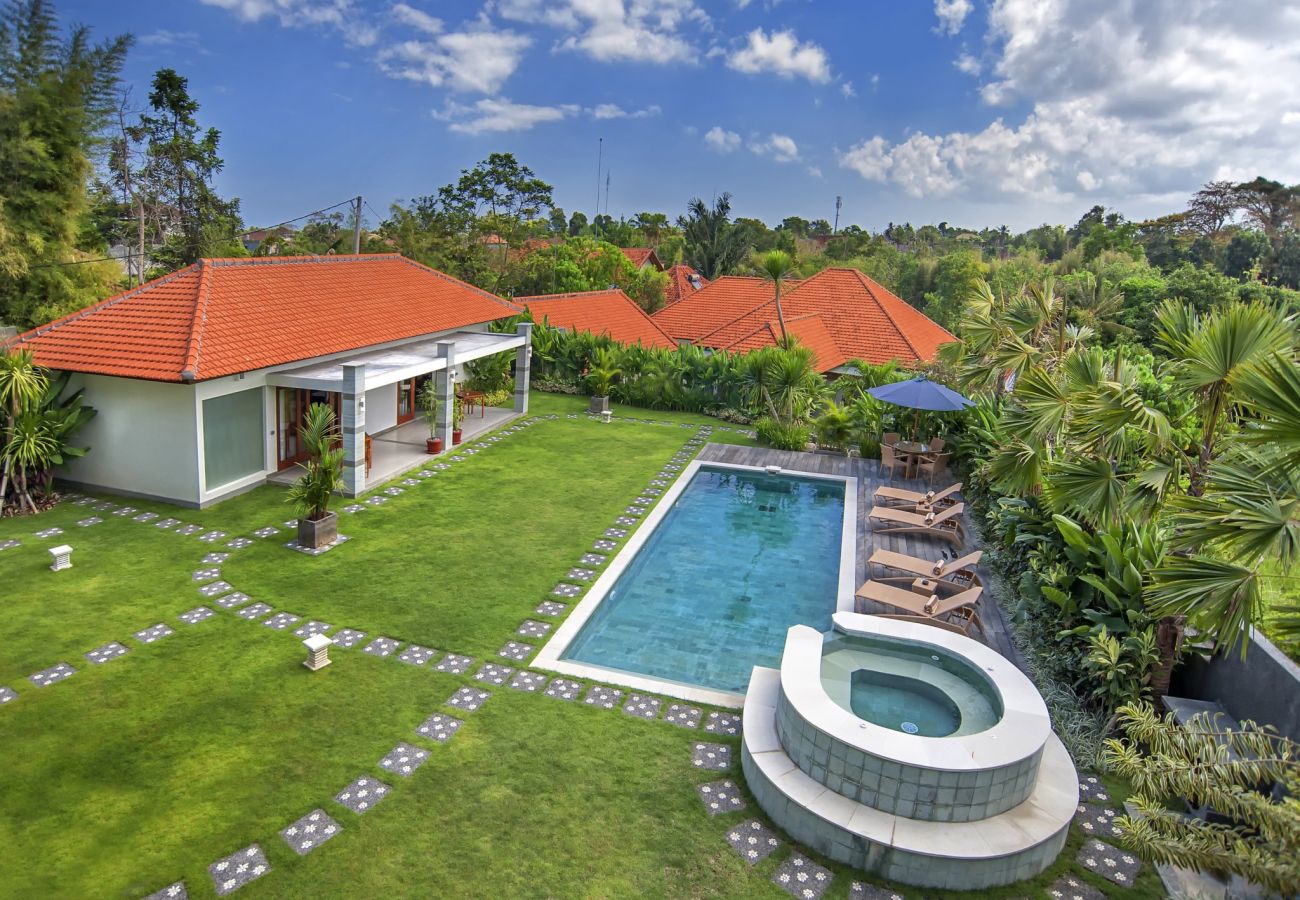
(775, 266)
(714, 244)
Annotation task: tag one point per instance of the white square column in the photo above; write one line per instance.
(523, 364)
(353, 426)
(445, 385)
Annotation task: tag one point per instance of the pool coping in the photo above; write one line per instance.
(549, 657)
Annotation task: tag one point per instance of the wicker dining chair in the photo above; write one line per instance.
(930, 466)
(890, 460)
(889, 437)
(937, 444)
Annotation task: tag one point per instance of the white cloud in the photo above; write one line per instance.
(476, 60)
(847, 90)
(648, 31)
(614, 111)
(721, 140)
(342, 15)
(416, 18)
(1128, 103)
(815, 172)
(543, 12)
(968, 64)
(875, 82)
(783, 54)
(952, 14)
(500, 114)
(164, 38)
(779, 147)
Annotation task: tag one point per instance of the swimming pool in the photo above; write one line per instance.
(737, 557)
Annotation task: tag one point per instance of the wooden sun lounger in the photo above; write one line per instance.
(949, 575)
(916, 604)
(962, 629)
(892, 496)
(945, 524)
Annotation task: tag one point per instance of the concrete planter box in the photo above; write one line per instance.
(598, 405)
(317, 533)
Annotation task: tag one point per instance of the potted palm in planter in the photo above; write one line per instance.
(457, 416)
(428, 401)
(600, 378)
(322, 474)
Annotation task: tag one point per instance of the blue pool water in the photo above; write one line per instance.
(739, 558)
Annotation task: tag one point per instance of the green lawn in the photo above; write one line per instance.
(145, 770)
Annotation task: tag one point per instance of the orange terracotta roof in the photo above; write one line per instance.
(721, 301)
(639, 256)
(224, 316)
(680, 283)
(810, 330)
(610, 312)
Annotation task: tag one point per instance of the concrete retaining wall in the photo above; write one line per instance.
(1264, 687)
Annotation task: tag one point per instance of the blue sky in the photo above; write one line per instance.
(978, 112)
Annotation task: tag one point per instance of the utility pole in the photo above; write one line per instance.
(600, 151)
(607, 176)
(356, 229)
(838, 201)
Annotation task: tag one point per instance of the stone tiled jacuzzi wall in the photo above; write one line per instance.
(912, 791)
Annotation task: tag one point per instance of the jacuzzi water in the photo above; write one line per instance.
(910, 688)
(739, 558)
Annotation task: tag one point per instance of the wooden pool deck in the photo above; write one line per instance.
(867, 473)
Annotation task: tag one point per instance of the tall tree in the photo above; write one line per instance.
(1270, 205)
(1212, 207)
(56, 96)
(714, 245)
(776, 266)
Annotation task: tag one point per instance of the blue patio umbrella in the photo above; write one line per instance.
(920, 393)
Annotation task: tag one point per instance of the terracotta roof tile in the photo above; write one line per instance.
(610, 312)
(722, 300)
(810, 330)
(682, 282)
(639, 256)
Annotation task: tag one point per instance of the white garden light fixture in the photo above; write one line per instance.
(318, 652)
(62, 558)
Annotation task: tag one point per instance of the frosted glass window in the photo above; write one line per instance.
(232, 437)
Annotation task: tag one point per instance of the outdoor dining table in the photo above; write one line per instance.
(912, 451)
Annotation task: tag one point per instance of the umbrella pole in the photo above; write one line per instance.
(916, 426)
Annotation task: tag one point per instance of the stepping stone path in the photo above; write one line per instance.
(528, 681)
(215, 558)
(171, 892)
(404, 759)
(362, 794)
(564, 689)
(381, 646)
(125, 511)
(531, 629)
(593, 559)
(415, 655)
(683, 716)
(566, 590)
(720, 797)
(230, 601)
(752, 840)
(310, 832)
(376, 500)
(616, 532)
(1097, 821)
(93, 520)
(266, 532)
(1115, 865)
(212, 537)
(205, 574)
(313, 628)
(604, 546)
(49, 532)
(515, 650)
(410, 482)
(105, 506)
(167, 523)
(713, 757)
(257, 609)
(454, 664)
(196, 615)
(348, 637)
(641, 706)
(654, 491)
(189, 530)
(238, 869)
(146, 517)
(215, 588)
(9, 544)
(491, 673)
(101, 655)
(439, 727)
(1071, 887)
(468, 698)
(580, 574)
(351, 508)
(635, 511)
(154, 633)
(604, 697)
(240, 543)
(394, 491)
(1091, 788)
(722, 723)
(7, 695)
(282, 621)
(800, 877)
(551, 608)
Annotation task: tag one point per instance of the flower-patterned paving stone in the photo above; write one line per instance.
(720, 797)
(212, 537)
(238, 869)
(713, 757)
(468, 698)
(189, 530)
(654, 491)
(641, 706)
(255, 611)
(362, 794)
(752, 840)
(1091, 788)
(615, 532)
(196, 615)
(394, 491)
(105, 506)
(658, 483)
(626, 521)
(410, 482)
(88, 521)
(348, 637)
(312, 628)
(266, 532)
(531, 629)
(215, 558)
(1115, 865)
(604, 545)
(381, 646)
(580, 574)
(404, 759)
(291, 524)
(175, 891)
(230, 601)
(564, 689)
(427, 473)
(125, 511)
(800, 877)
(49, 532)
(550, 608)
(84, 501)
(528, 681)
(7, 695)
(1097, 821)
(415, 655)
(154, 633)
(722, 723)
(101, 655)
(240, 543)
(644, 500)
(439, 727)
(515, 650)
(9, 544)
(167, 523)
(47, 677)
(491, 673)
(604, 697)
(635, 511)
(566, 590)
(205, 574)
(441, 467)
(215, 588)
(282, 621)
(682, 715)
(376, 500)
(593, 559)
(354, 507)
(1072, 887)
(145, 517)
(310, 832)
(454, 664)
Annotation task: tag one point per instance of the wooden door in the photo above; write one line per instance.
(405, 401)
(291, 405)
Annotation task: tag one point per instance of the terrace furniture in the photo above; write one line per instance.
(937, 444)
(945, 524)
(931, 466)
(931, 607)
(933, 623)
(892, 496)
(890, 460)
(889, 437)
(955, 575)
(369, 458)
(472, 398)
(913, 451)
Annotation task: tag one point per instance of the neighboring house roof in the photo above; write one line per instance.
(682, 282)
(810, 330)
(641, 256)
(224, 316)
(864, 319)
(610, 312)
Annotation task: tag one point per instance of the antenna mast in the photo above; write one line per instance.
(838, 201)
(600, 150)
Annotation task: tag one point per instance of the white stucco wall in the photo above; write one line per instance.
(144, 439)
(381, 408)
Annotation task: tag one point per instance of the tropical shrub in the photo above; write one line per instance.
(782, 435)
(322, 473)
